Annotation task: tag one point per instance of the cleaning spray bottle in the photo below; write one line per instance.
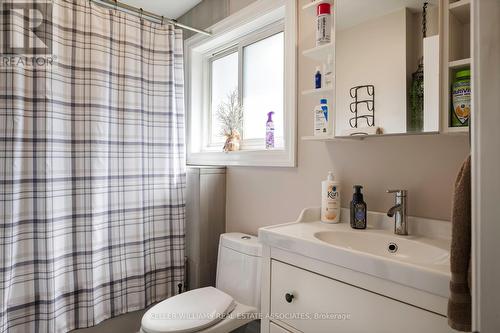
(270, 131)
(330, 200)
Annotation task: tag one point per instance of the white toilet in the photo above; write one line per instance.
(233, 303)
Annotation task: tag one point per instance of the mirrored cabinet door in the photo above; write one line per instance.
(387, 67)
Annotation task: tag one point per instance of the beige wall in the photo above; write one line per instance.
(209, 12)
(425, 165)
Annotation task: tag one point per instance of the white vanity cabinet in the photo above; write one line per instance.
(310, 286)
(310, 302)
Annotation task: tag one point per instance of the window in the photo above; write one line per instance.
(263, 86)
(259, 86)
(224, 80)
(252, 56)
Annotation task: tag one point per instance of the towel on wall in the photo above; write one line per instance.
(459, 303)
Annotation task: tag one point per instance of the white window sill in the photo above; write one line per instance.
(268, 157)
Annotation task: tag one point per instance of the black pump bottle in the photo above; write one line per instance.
(358, 209)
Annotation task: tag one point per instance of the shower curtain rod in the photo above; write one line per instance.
(143, 13)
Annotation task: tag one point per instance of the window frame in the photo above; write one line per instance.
(238, 47)
(208, 145)
(260, 20)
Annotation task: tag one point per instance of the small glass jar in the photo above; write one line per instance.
(461, 99)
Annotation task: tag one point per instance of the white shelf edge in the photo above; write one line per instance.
(327, 138)
(461, 10)
(459, 3)
(330, 138)
(318, 138)
(319, 52)
(459, 63)
(447, 131)
(317, 91)
(456, 130)
(313, 4)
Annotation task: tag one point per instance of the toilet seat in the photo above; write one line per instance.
(192, 311)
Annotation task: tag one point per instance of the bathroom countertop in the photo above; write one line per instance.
(421, 261)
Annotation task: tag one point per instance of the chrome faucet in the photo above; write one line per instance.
(399, 212)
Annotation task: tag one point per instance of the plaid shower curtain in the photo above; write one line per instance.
(92, 169)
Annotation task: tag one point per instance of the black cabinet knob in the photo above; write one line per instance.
(289, 297)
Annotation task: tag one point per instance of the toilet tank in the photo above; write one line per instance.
(239, 267)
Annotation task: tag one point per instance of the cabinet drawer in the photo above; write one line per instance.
(313, 303)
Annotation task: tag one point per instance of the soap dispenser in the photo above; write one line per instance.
(330, 200)
(358, 209)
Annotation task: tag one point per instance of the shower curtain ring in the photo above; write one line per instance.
(162, 18)
(140, 13)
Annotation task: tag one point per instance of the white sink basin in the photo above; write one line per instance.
(391, 247)
(421, 261)
(414, 269)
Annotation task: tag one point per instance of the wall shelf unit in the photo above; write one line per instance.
(321, 55)
(456, 55)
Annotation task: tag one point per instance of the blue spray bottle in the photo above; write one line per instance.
(270, 131)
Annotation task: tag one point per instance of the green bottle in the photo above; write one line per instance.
(460, 99)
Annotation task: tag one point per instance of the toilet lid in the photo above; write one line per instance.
(188, 312)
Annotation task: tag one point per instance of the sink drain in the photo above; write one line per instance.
(392, 247)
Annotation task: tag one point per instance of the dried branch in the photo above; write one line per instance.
(230, 114)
